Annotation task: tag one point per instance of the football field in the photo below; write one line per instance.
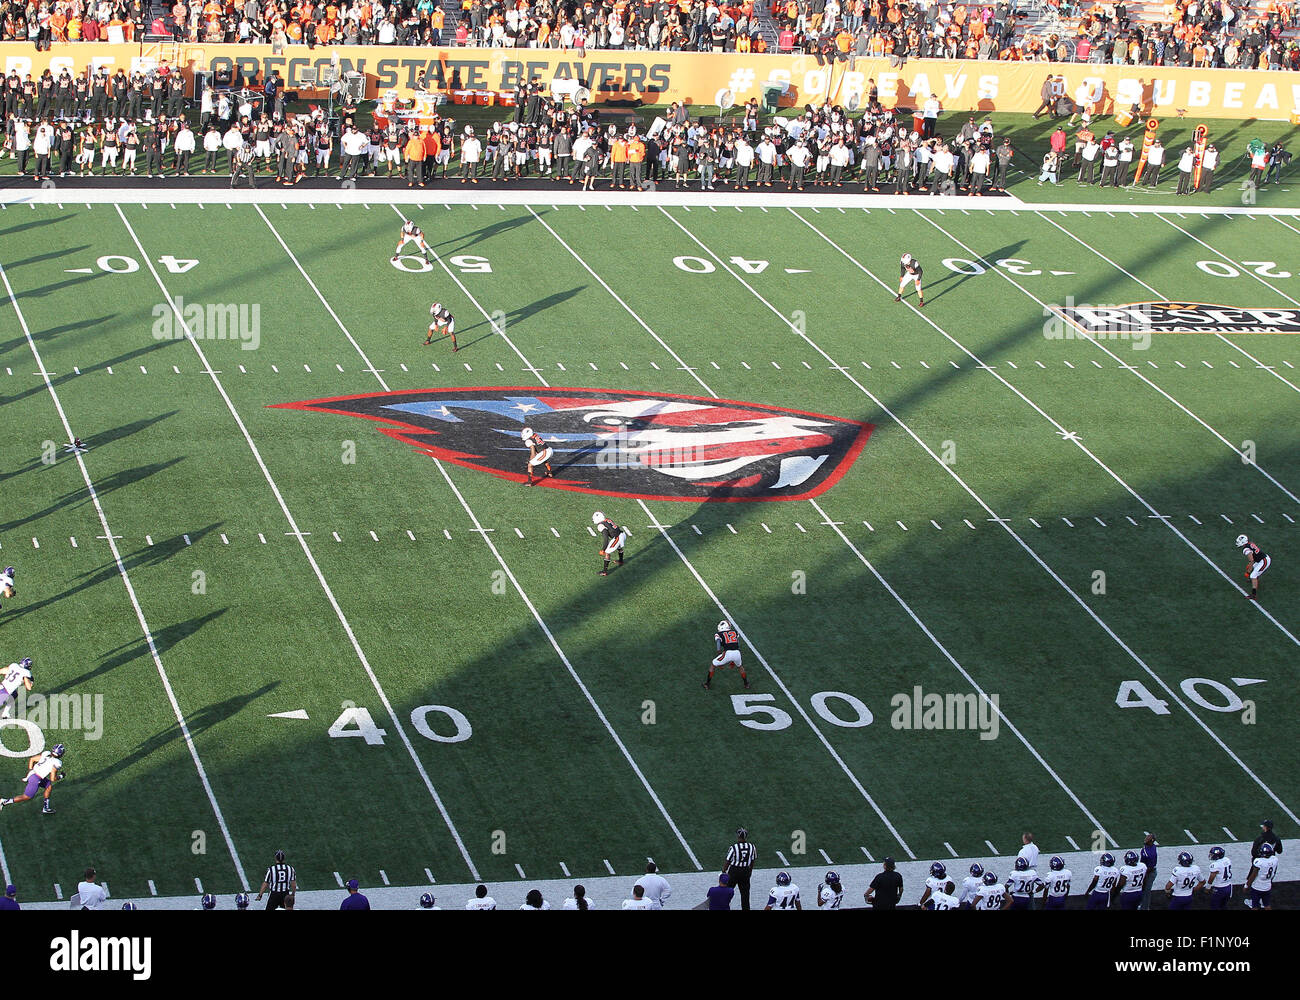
(270, 608)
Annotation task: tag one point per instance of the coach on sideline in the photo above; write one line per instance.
(740, 865)
(280, 880)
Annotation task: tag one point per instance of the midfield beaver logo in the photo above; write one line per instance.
(650, 446)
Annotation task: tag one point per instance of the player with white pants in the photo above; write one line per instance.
(726, 641)
(615, 539)
(411, 233)
(539, 453)
(441, 322)
(1257, 564)
(7, 582)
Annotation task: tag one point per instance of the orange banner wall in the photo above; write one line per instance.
(660, 77)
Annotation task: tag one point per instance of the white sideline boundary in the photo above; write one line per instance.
(487, 198)
(302, 541)
(688, 888)
(130, 590)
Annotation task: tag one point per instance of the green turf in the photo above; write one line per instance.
(542, 781)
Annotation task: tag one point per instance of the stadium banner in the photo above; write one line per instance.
(974, 86)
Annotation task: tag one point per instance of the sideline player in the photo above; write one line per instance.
(539, 453)
(970, 887)
(411, 233)
(1056, 887)
(1104, 879)
(910, 270)
(937, 882)
(443, 323)
(1219, 884)
(16, 675)
(1132, 877)
(726, 641)
(1259, 883)
(615, 539)
(784, 895)
(992, 895)
(43, 770)
(1184, 880)
(1257, 563)
(830, 893)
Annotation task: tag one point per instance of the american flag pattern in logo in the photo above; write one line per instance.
(621, 443)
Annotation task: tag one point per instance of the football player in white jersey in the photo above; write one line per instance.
(7, 582)
(1260, 880)
(1184, 880)
(726, 643)
(784, 895)
(992, 894)
(43, 770)
(937, 881)
(1056, 887)
(830, 893)
(1257, 562)
(411, 234)
(16, 675)
(579, 900)
(970, 887)
(909, 270)
(1219, 884)
(1022, 885)
(942, 901)
(1104, 879)
(1132, 875)
(481, 900)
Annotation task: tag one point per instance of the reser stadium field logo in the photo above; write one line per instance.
(1138, 319)
(651, 446)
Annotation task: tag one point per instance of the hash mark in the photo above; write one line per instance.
(1130, 520)
(783, 859)
(374, 537)
(868, 854)
(1067, 521)
(565, 868)
(1289, 518)
(745, 366)
(776, 366)
(1257, 518)
(409, 535)
(429, 875)
(901, 525)
(446, 534)
(950, 850)
(825, 856)
(224, 539)
(968, 524)
(384, 875)
(73, 540)
(801, 527)
(936, 524)
(731, 529)
(1034, 523)
(262, 538)
(1231, 835)
(766, 528)
(152, 890)
(868, 524)
(991, 847)
(555, 533)
(1190, 837)
(696, 527)
(1226, 518)
(1068, 365)
(608, 867)
(337, 877)
(336, 537)
(1070, 841)
(1194, 519)
(520, 871)
(519, 533)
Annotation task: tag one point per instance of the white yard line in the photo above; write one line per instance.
(979, 500)
(130, 590)
(1231, 343)
(495, 552)
(1069, 436)
(302, 541)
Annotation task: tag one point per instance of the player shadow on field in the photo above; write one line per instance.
(164, 640)
(99, 439)
(103, 487)
(468, 241)
(955, 279)
(58, 286)
(522, 313)
(42, 257)
(41, 336)
(151, 555)
(39, 388)
(23, 227)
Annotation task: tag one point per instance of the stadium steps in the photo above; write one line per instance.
(765, 24)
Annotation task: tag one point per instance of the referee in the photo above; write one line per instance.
(740, 865)
(280, 881)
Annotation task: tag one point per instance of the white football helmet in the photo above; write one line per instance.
(435, 309)
(723, 626)
(1242, 540)
(526, 433)
(907, 258)
(597, 518)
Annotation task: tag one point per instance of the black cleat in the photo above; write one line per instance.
(898, 298)
(604, 572)
(746, 682)
(708, 685)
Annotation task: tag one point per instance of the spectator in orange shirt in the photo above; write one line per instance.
(414, 160)
(618, 156)
(636, 160)
(432, 145)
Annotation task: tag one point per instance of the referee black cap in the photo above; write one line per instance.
(741, 833)
(279, 855)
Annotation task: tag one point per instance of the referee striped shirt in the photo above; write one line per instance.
(741, 855)
(279, 877)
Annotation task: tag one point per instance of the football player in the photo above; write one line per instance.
(7, 582)
(1259, 883)
(43, 770)
(1104, 878)
(910, 270)
(16, 675)
(970, 887)
(539, 453)
(991, 895)
(1131, 878)
(1219, 884)
(1022, 885)
(937, 881)
(784, 895)
(411, 233)
(1184, 880)
(830, 893)
(1257, 563)
(1057, 885)
(726, 642)
(941, 901)
(443, 323)
(615, 539)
